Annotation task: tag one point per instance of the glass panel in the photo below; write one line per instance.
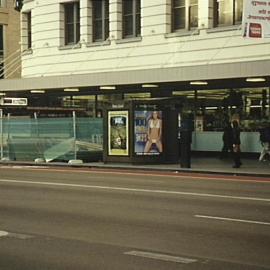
(98, 30)
(106, 28)
(1, 40)
(179, 18)
(238, 11)
(138, 24)
(128, 26)
(29, 30)
(69, 14)
(70, 33)
(78, 35)
(97, 9)
(52, 139)
(193, 21)
(128, 7)
(225, 12)
(138, 6)
(179, 3)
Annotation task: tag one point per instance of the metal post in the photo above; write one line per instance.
(74, 133)
(2, 135)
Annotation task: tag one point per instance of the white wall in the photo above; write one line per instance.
(157, 48)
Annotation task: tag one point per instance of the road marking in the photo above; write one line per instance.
(161, 257)
(234, 220)
(167, 192)
(3, 234)
(176, 174)
(15, 235)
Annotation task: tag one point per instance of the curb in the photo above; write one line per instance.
(134, 168)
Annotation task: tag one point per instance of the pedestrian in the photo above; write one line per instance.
(227, 140)
(265, 141)
(236, 144)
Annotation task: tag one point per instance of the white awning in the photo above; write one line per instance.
(158, 75)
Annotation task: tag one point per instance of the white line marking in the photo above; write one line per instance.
(161, 257)
(135, 190)
(3, 234)
(234, 220)
(177, 175)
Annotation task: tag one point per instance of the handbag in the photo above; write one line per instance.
(236, 148)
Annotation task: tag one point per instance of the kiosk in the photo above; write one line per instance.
(142, 131)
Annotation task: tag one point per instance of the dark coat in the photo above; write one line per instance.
(236, 135)
(227, 135)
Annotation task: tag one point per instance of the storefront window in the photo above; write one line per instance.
(212, 108)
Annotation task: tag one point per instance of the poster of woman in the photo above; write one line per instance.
(148, 132)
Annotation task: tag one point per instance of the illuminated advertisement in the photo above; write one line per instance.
(148, 132)
(118, 133)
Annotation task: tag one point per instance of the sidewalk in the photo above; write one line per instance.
(250, 167)
(202, 165)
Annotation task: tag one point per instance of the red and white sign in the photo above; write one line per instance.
(256, 19)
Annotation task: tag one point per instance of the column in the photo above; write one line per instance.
(115, 17)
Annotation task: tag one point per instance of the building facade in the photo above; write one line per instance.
(10, 56)
(80, 37)
(111, 50)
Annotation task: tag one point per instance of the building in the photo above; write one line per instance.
(86, 53)
(10, 56)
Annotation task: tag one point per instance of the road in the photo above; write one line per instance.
(76, 219)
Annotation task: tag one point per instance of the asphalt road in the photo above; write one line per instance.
(73, 219)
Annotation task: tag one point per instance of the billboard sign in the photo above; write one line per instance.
(148, 132)
(118, 133)
(256, 19)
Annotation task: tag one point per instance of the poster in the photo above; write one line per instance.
(148, 133)
(118, 133)
(256, 19)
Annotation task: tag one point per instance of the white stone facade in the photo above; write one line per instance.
(157, 47)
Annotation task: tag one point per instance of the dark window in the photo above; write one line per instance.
(100, 20)
(29, 30)
(228, 12)
(184, 14)
(131, 18)
(1, 52)
(72, 23)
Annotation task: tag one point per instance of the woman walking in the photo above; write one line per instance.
(236, 144)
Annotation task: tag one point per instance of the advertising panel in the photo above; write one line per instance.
(256, 19)
(148, 132)
(118, 133)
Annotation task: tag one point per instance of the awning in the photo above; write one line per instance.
(157, 75)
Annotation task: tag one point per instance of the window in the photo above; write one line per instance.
(184, 14)
(29, 30)
(72, 23)
(3, 3)
(100, 20)
(2, 71)
(131, 18)
(228, 12)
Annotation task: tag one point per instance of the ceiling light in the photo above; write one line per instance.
(71, 90)
(107, 87)
(255, 79)
(37, 91)
(198, 83)
(149, 85)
